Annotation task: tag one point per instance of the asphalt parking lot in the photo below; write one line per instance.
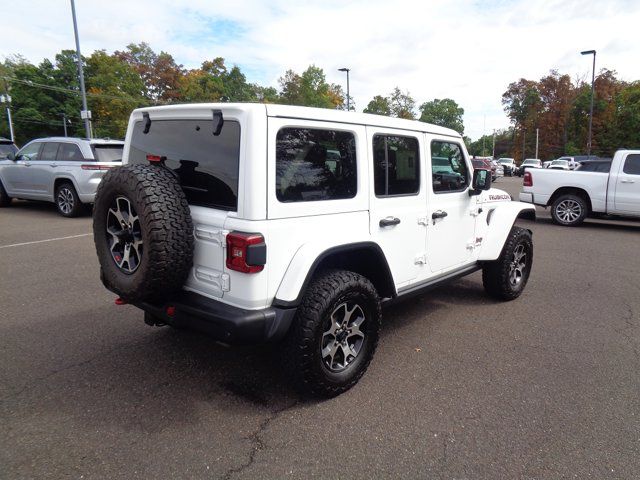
(547, 386)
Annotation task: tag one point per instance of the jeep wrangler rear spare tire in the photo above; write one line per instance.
(143, 232)
(335, 333)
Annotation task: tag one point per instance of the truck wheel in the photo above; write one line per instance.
(506, 277)
(143, 232)
(569, 210)
(334, 335)
(67, 200)
(5, 200)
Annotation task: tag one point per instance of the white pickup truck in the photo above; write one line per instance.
(598, 187)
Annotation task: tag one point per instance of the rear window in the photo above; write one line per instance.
(602, 167)
(207, 166)
(107, 153)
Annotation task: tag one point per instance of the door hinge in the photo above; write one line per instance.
(423, 221)
(421, 260)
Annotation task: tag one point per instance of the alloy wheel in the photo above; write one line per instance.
(66, 200)
(125, 235)
(569, 211)
(518, 265)
(344, 338)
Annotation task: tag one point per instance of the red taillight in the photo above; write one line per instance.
(527, 181)
(155, 158)
(96, 167)
(120, 301)
(246, 252)
(171, 310)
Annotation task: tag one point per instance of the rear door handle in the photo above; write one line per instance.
(439, 214)
(389, 222)
(627, 181)
(53, 164)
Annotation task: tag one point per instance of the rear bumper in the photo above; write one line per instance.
(223, 322)
(526, 197)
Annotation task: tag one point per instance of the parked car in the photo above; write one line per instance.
(560, 164)
(497, 169)
(600, 186)
(228, 219)
(546, 164)
(575, 160)
(509, 165)
(486, 164)
(62, 170)
(529, 163)
(7, 147)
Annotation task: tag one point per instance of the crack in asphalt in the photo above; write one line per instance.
(257, 444)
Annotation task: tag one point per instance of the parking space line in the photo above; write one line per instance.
(47, 240)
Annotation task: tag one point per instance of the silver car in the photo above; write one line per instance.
(62, 170)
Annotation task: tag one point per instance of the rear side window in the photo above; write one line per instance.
(207, 165)
(68, 152)
(315, 164)
(448, 169)
(602, 167)
(49, 151)
(107, 153)
(396, 165)
(632, 165)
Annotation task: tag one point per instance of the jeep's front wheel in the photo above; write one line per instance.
(335, 333)
(506, 277)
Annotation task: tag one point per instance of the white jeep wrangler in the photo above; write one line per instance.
(258, 223)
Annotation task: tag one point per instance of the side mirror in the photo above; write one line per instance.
(481, 181)
(11, 156)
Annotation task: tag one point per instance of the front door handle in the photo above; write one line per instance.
(27, 164)
(389, 222)
(54, 164)
(439, 214)
(627, 181)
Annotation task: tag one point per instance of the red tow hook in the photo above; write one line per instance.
(120, 301)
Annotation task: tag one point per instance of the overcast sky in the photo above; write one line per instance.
(465, 50)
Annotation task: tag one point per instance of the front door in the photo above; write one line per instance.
(451, 214)
(398, 201)
(17, 174)
(627, 196)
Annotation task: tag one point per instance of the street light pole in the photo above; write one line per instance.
(64, 124)
(6, 98)
(537, 130)
(593, 79)
(493, 150)
(85, 111)
(348, 96)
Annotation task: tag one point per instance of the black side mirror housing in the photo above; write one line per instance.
(481, 181)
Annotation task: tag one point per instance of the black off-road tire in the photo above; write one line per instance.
(569, 210)
(67, 200)
(303, 344)
(5, 200)
(498, 276)
(165, 228)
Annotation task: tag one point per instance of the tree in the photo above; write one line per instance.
(445, 112)
(309, 89)
(379, 106)
(402, 105)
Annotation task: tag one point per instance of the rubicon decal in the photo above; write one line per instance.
(499, 197)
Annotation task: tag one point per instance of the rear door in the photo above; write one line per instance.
(207, 167)
(42, 169)
(627, 193)
(398, 201)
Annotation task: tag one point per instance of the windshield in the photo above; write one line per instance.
(505, 160)
(530, 162)
(107, 153)
(207, 165)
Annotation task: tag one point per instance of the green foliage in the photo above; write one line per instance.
(445, 112)
(309, 89)
(398, 104)
(379, 106)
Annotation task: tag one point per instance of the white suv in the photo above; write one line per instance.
(62, 170)
(273, 223)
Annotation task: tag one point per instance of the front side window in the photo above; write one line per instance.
(30, 152)
(207, 165)
(448, 168)
(315, 164)
(69, 152)
(396, 165)
(632, 165)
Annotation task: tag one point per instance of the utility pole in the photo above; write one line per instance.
(6, 98)
(493, 150)
(524, 137)
(537, 130)
(85, 114)
(593, 80)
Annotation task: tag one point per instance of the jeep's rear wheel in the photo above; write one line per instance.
(506, 277)
(335, 334)
(143, 232)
